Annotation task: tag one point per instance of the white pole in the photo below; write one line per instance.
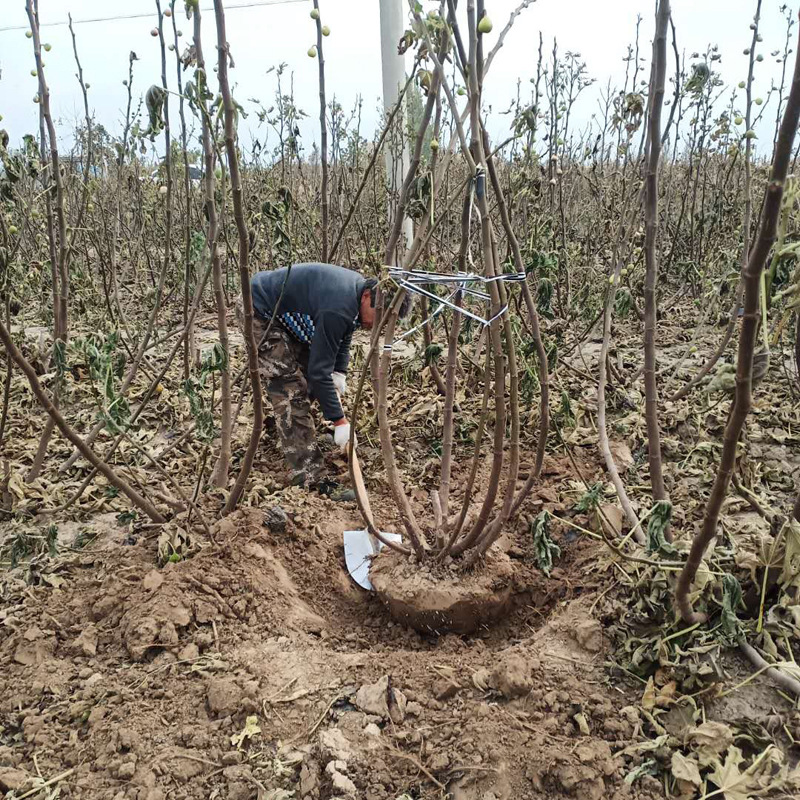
(394, 77)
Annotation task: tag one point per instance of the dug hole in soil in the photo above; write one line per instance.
(434, 599)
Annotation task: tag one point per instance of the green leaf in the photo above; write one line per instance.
(657, 527)
(649, 767)
(52, 540)
(731, 626)
(545, 548)
(590, 499)
(432, 353)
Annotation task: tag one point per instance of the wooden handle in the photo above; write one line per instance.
(359, 486)
(358, 478)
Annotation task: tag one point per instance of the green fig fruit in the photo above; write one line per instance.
(314, 13)
(326, 31)
(742, 84)
(48, 48)
(738, 121)
(312, 52)
(485, 25)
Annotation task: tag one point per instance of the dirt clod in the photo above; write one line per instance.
(512, 677)
(382, 700)
(13, 779)
(223, 696)
(589, 635)
(86, 643)
(276, 520)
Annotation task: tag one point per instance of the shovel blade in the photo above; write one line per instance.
(359, 549)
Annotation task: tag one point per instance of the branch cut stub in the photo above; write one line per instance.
(433, 599)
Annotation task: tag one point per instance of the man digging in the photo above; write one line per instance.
(306, 354)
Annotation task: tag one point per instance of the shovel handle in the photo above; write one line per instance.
(360, 488)
(358, 480)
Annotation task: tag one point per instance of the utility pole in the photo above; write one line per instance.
(394, 77)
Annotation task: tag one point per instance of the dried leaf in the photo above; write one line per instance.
(710, 739)
(685, 769)
(649, 696)
(16, 486)
(250, 730)
(790, 576)
(738, 785)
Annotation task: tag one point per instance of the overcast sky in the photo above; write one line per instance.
(264, 37)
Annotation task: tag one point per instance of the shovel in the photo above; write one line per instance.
(361, 546)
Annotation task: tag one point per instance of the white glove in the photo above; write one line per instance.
(341, 436)
(339, 382)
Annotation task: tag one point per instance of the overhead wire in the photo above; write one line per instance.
(145, 15)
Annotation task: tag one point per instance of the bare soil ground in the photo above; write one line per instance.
(139, 681)
(256, 669)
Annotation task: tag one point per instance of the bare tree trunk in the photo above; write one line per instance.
(743, 399)
(223, 49)
(490, 268)
(381, 363)
(323, 135)
(61, 295)
(88, 164)
(651, 260)
(427, 342)
(167, 140)
(219, 476)
(189, 345)
(541, 355)
(450, 374)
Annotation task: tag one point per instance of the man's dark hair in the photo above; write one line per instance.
(372, 287)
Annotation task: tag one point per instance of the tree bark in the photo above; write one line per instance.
(651, 259)
(61, 265)
(244, 253)
(220, 474)
(323, 135)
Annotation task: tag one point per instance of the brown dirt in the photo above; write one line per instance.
(442, 599)
(137, 681)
